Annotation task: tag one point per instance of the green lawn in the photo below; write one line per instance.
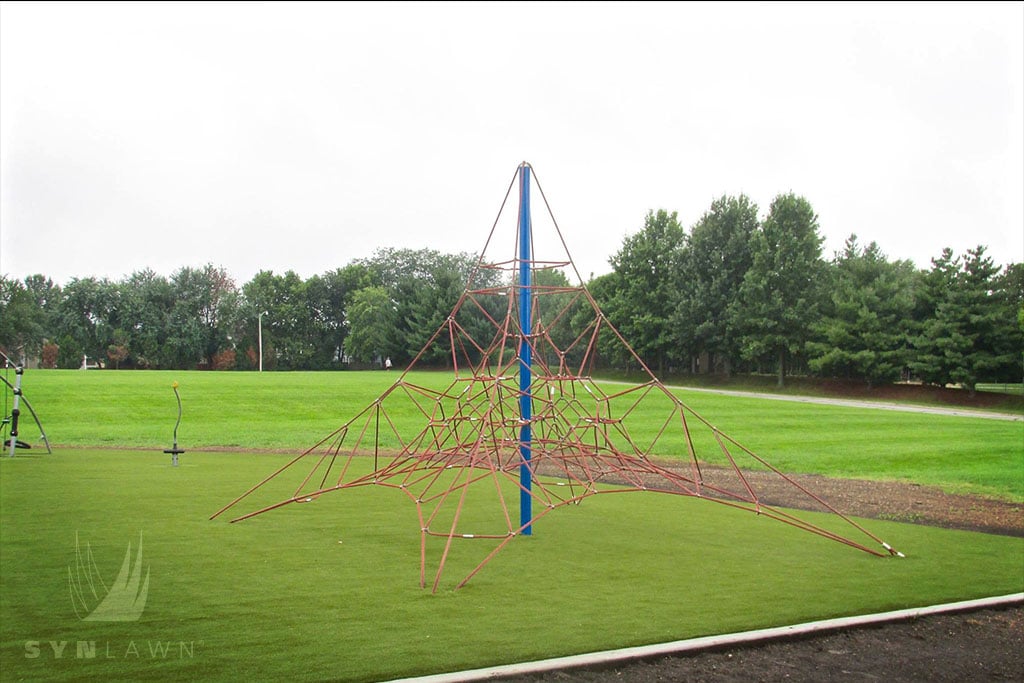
(1004, 388)
(292, 411)
(330, 590)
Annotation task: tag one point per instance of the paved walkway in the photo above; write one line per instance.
(851, 403)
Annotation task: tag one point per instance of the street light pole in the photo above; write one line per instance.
(259, 324)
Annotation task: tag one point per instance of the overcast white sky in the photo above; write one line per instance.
(302, 136)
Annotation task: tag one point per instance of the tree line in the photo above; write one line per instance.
(739, 293)
(733, 293)
(199, 318)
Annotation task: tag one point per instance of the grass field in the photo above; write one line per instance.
(1004, 388)
(292, 411)
(329, 591)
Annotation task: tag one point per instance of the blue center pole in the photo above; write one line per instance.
(525, 352)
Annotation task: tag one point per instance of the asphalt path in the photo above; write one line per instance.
(852, 403)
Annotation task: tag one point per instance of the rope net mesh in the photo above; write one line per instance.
(456, 451)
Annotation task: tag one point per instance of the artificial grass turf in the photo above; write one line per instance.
(278, 596)
(292, 411)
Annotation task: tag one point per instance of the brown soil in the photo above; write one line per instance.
(895, 501)
(981, 645)
(986, 645)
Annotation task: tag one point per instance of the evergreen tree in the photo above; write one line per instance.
(865, 329)
(969, 336)
(781, 293)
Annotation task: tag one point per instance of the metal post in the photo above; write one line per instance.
(16, 410)
(525, 352)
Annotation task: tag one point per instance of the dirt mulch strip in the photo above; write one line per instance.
(982, 645)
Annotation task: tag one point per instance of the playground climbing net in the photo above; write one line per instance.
(522, 428)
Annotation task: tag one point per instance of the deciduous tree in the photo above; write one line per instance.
(647, 269)
(714, 263)
(372, 319)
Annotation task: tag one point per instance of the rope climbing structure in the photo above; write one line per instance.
(520, 425)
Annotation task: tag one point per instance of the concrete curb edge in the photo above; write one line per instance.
(707, 642)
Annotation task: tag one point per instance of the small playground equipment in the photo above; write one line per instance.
(10, 423)
(523, 421)
(174, 451)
